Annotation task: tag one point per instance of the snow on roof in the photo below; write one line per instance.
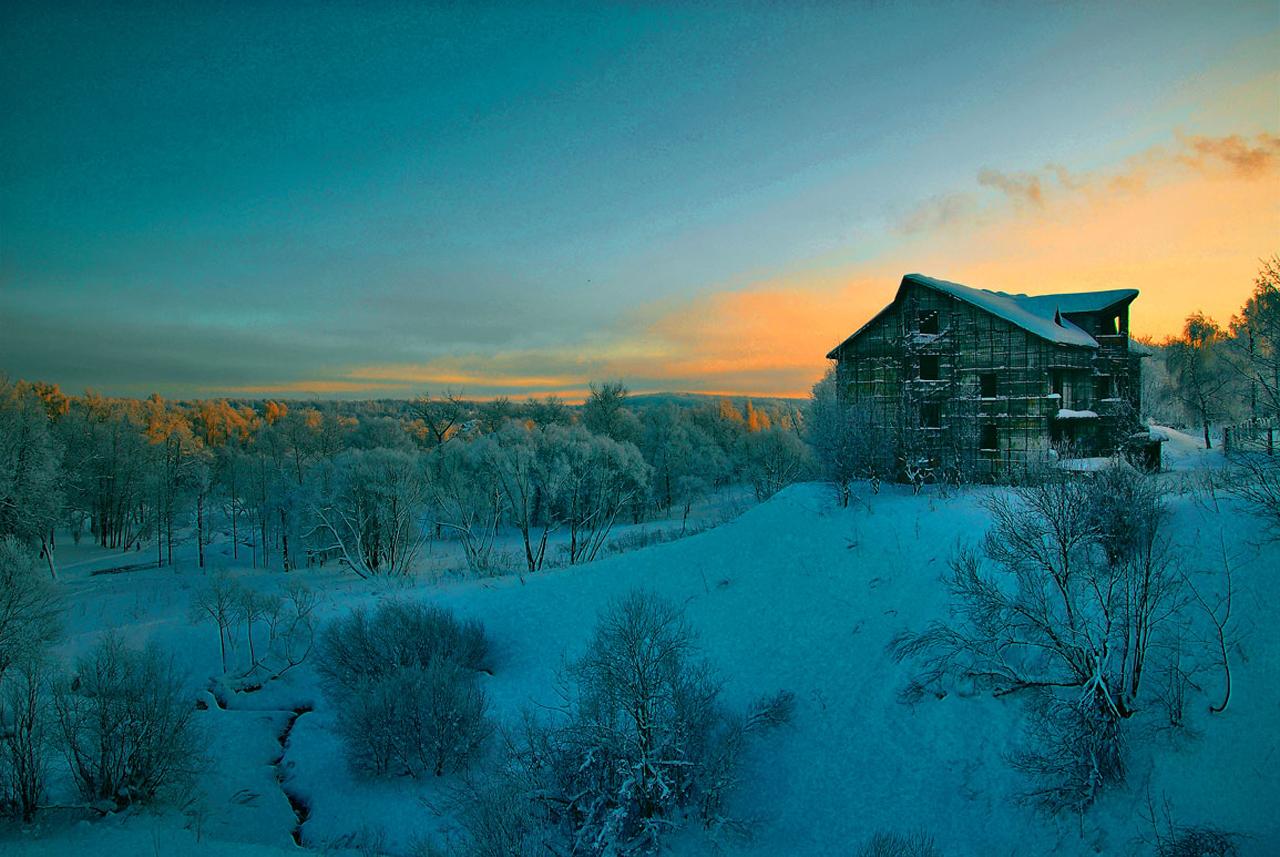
(1041, 315)
(1068, 414)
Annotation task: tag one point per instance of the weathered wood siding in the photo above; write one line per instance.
(960, 423)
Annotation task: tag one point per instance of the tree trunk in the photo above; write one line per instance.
(200, 527)
(47, 546)
(1207, 443)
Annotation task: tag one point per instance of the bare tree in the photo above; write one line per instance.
(1080, 584)
(31, 497)
(218, 600)
(441, 416)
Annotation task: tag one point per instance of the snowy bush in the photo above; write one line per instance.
(899, 845)
(414, 720)
(28, 604)
(363, 645)
(502, 818)
(403, 680)
(125, 723)
(643, 741)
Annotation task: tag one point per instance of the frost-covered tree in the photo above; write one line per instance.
(1254, 346)
(773, 459)
(28, 605)
(467, 501)
(526, 464)
(31, 499)
(600, 477)
(605, 412)
(845, 440)
(367, 507)
(1201, 376)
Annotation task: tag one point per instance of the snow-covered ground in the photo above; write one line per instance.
(794, 594)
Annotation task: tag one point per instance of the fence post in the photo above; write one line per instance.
(1226, 439)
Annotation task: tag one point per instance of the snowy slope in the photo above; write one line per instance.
(795, 594)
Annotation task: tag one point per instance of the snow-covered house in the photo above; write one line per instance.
(956, 380)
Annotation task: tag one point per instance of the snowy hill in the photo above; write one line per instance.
(795, 594)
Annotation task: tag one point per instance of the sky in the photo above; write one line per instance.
(383, 199)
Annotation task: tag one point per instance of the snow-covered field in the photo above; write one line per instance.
(794, 594)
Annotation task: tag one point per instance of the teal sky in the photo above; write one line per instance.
(205, 198)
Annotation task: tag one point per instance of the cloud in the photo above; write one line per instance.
(1246, 159)
(939, 212)
(1023, 188)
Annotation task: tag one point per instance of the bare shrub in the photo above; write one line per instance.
(899, 845)
(1073, 752)
(24, 739)
(1198, 842)
(502, 819)
(126, 724)
(414, 720)
(365, 645)
(1256, 480)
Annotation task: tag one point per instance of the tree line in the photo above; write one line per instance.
(1211, 373)
(292, 484)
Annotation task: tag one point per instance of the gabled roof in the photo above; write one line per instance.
(1042, 315)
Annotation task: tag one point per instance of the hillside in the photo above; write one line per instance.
(795, 594)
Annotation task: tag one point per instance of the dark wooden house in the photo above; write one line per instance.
(976, 384)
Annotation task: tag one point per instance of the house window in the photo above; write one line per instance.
(931, 415)
(929, 370)
(928, 320)
(987, 385)
(1055, 380)
(990, 437)
(1102, 387)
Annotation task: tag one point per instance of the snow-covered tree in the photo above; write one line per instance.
(1201, 375)
(28, 604)
(600, 477)
(367, 507)
(31, 499)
